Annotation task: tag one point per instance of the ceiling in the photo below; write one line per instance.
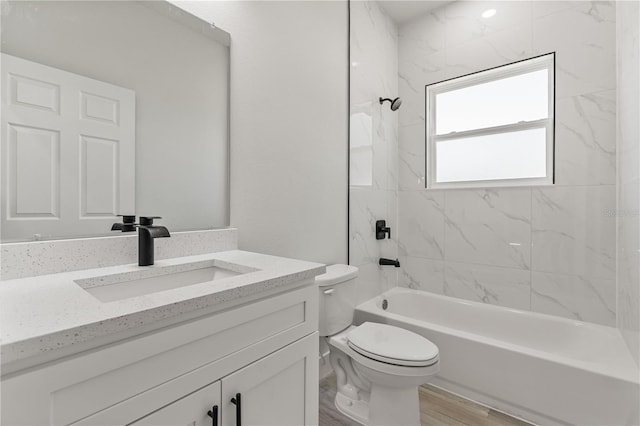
(404, 10)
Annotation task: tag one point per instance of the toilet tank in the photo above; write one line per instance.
(337, 301)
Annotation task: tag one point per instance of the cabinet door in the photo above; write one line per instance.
(191, 410)
(280, 389)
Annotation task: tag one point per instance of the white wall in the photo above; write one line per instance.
(546, 249)
(288, 124)
(628, 212)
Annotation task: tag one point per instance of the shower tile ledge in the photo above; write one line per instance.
(50, 316)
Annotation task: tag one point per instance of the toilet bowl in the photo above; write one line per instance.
(378, 367)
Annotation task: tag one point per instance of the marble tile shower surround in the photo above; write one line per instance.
(628, 207)
(374, 74)
(545, 249)
(30, 259)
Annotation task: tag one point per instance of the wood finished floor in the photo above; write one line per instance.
(437, 408)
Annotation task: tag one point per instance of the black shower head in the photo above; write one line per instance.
(395, 103)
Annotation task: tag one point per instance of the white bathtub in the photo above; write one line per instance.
(541, 368)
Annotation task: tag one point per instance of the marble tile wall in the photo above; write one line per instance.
(628, 211)
(374, 73)
(546, 249)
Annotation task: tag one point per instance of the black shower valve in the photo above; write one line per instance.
(382, 231)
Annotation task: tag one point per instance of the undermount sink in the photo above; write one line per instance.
(109, 288)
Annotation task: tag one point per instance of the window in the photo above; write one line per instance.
(492, 128)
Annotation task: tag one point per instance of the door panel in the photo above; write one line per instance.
(34, 178)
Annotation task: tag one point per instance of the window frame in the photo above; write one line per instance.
(546, 61)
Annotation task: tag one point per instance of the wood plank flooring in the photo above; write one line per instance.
(437, 408)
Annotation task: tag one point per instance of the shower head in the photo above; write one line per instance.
(395, 103)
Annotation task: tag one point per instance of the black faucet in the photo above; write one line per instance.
(389, 262)
(147, 231)
(128, 223)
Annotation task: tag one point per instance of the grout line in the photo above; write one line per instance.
(531, 249)
(444, 240)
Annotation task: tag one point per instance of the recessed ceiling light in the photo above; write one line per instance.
(488, 13)
(355, 64)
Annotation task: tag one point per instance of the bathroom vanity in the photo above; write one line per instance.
(236, 345)
(207, 335)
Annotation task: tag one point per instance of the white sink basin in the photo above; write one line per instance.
(109, 288)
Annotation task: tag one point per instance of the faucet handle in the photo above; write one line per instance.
(148, 220)
(127, 225)
(382, 231)
(127, 218)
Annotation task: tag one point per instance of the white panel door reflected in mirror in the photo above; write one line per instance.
(69, 154)
(178, 67)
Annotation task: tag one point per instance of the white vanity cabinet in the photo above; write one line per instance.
(266, 351)
(197, 409)
(270, 388)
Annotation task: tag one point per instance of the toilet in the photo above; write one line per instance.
(378, 366)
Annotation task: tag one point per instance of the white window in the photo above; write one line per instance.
(492, 128)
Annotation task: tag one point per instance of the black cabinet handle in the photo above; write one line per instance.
(237, 402)
(213, 413)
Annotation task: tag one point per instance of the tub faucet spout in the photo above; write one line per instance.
(389, 262)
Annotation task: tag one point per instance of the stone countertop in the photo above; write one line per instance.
(49, 316)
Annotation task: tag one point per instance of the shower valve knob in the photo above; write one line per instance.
(382, 231)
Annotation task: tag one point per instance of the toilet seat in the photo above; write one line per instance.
(392, 345)
(339, 341)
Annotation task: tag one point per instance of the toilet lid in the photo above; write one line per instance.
(392, 345)
(336, 274)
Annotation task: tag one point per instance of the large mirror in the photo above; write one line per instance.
(108, 108)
